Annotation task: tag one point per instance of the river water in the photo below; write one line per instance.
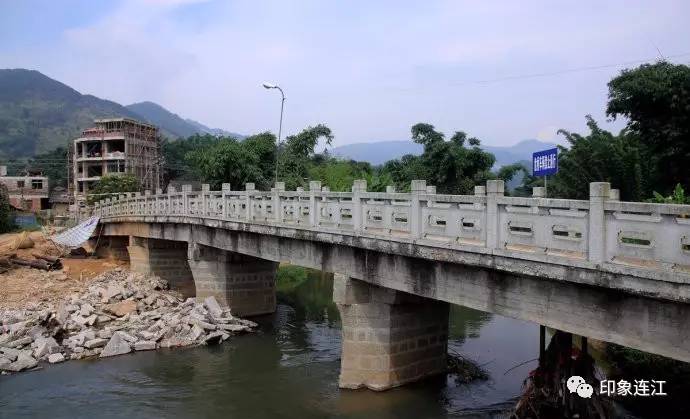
(288, 369)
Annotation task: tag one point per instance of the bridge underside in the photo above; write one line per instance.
(611, 315)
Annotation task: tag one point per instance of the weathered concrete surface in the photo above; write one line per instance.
(164, 258)
(112, 247)
(643, 313)
(390, 338)
(244, 283)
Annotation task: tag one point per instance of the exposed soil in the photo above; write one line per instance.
(22, 285)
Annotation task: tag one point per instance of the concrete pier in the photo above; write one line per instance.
(164, 258)
(390, 338)
(111, 247)
(244, 283)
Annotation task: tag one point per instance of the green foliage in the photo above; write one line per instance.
(228, 161)
(677, 197)
(655, 99)
(295, 153)
(6, 223)
(112, 184)
(601, 157)
(175, 163)
(449, 165)
(52, 164)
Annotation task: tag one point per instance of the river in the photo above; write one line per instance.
(289, 368)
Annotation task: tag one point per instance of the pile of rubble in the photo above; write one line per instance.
(121, 312)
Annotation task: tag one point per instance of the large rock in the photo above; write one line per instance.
(112, 291)
(213, 307)
(121, 308)
(4, 362)
(10, 353)
(23, 362)
(145, 345)
(45, 346)
(234, 327)
(95, 343)
(116, 346)
(26, 340)
(86, 310)
(56, 358)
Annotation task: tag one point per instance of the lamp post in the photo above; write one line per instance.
(280, 127)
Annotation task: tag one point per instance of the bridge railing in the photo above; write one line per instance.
(600, 230)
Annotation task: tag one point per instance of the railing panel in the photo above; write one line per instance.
(653, 236)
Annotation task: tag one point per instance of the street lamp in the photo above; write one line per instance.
(280, 127)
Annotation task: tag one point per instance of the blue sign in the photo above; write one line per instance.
(545, 162)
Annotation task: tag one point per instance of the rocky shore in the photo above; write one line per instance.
(120, 312)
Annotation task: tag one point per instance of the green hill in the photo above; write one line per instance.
(39, 114)
(173, 123)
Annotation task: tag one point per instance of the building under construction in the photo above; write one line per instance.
(116, 146)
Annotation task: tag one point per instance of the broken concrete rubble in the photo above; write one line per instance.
(119, 313)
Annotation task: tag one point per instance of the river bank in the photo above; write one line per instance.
(119, 312)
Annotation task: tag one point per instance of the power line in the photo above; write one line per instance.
(550, 73)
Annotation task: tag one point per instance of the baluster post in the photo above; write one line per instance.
(277, 209)
(186, 192)
(225, 191)
(599, 192)
(314, 186)
(358, 188)
(205, 189)
(417, 188)
(494, 190)
(249, 188)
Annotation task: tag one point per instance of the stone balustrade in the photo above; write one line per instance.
(602, 231)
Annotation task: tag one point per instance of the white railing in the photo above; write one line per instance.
(600, 230)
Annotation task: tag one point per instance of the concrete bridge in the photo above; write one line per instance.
(611, 270)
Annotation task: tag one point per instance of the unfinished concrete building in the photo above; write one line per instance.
(116, 146)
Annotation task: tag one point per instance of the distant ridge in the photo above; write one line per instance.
(173, 123)
(39, 114)
(380, 152)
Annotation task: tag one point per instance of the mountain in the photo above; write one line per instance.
(380, 152)
(39, 114)
(175, 125)
(214, 131)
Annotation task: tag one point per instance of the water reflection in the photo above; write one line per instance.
(287, 369)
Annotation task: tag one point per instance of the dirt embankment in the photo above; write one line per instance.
(22, 285)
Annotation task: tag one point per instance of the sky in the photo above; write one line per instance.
(502, 71)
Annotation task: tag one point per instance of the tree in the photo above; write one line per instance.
(110, 185)
(449, 165)
(599, 156)
(655, 99)
(228, 161)
(295, 152)
(602, 157)
(6, 223)
(339, 175)
(53, 165)
(175, 162)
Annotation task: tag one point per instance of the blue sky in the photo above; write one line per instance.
(368, 69)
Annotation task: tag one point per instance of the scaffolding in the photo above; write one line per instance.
(116, 146)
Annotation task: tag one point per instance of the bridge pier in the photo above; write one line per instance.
(390, 338)
(112, 247)
(164, 258)
(244, 283)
